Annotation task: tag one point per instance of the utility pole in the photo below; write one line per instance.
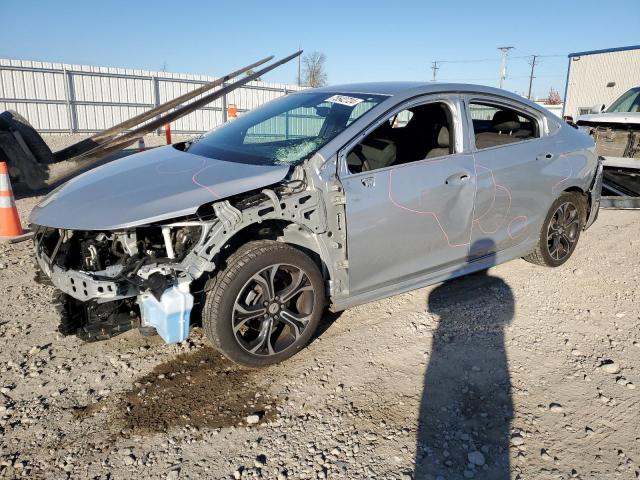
(533, 66)
(503, 65)
(435, 69)
(299, 56)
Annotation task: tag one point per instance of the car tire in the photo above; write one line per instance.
(560, 231)
(26, 177)
(13, 120)
(254, 312)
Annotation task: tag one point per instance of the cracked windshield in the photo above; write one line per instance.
(286, 131)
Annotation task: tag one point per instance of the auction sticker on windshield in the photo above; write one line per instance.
(344, 100)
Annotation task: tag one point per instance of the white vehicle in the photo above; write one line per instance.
(616, 131)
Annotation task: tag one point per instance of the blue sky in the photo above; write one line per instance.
(363, 41)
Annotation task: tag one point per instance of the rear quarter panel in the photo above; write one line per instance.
(576, 156)
(573, 167)
(518, 182)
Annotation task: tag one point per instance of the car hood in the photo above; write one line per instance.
(614, 117)
(148, 187)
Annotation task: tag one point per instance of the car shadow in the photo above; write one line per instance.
(327, 320)
(466, 407)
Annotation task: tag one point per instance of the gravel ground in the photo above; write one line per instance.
(521, 372)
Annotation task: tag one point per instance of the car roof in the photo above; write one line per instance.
(402, 88)
(409, 89)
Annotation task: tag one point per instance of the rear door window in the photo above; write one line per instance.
(497, 125)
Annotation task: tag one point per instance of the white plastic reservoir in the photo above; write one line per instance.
(170, 315)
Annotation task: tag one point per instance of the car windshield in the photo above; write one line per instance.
(286, 131)
(628, 102)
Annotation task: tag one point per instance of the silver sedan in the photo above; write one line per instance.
(325, 198)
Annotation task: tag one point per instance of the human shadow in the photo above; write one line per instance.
(466, 407)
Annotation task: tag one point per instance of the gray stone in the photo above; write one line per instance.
(252, 419)
(609, 366)
(555, 408)
(173, 474)
(477, 458)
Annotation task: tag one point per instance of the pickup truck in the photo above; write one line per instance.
(616, 131)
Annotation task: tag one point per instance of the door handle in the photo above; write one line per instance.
(545, 156)
(368, 182)
(457, 179)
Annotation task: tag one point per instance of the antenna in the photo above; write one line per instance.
(503, 65)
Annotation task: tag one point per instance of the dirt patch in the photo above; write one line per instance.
(198, 389)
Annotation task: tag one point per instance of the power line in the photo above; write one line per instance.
(467, 79)
(539, 56)
(533, 59)
(493, 60)
(477, 60)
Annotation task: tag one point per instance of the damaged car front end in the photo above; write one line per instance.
(111, 281)
(132, 243)
(143, 276)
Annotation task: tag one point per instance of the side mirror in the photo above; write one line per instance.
(597, 108)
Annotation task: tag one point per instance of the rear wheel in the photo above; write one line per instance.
(560, 231)
(264, 305)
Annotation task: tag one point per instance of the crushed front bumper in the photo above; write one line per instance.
(81, 285)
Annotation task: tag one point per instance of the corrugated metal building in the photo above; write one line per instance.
(598, 77)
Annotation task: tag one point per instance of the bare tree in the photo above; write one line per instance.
(554, 97)
(313, 73)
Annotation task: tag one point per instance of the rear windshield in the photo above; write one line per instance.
(628, 102)
(285, 131)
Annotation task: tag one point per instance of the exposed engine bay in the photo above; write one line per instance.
(102, 273)
(113, 281)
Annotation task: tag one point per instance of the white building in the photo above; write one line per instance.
(600, 76)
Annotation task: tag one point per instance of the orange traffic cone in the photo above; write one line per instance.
(232, 112)
(10, 226)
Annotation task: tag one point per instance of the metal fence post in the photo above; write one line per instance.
(286, 119)
(224, 106)
(70, 98)
(155, 85)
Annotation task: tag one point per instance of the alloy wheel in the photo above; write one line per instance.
(273, 309)
(563, 231)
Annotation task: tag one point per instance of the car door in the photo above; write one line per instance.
(511, 153)
(414, 216)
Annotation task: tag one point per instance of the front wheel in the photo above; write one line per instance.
(560, 231)
(264, 305)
